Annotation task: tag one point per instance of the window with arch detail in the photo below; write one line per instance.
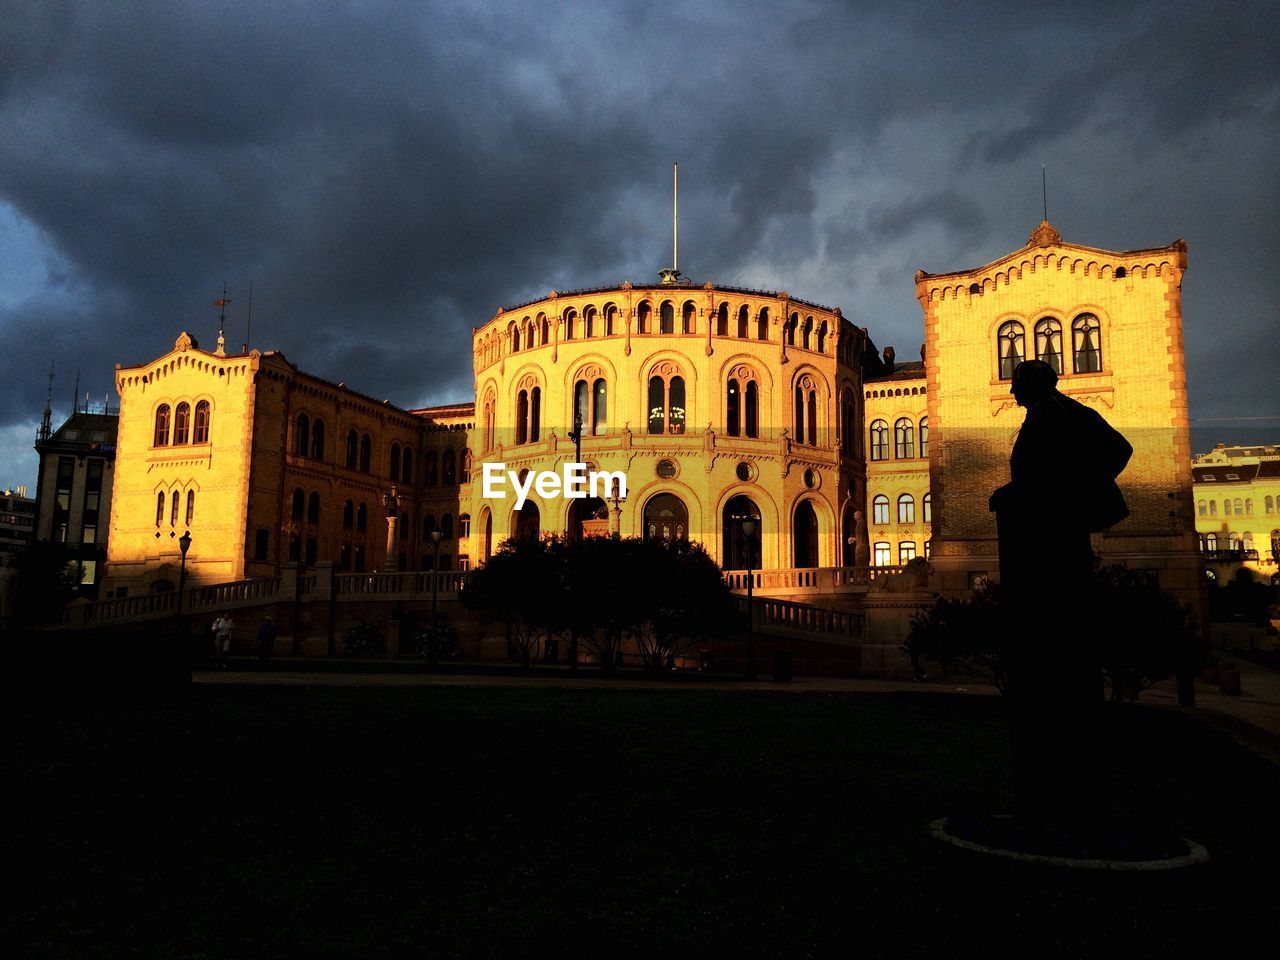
(181, 422)
(466, 467)
(446, 527)
(906, 508)
(317, 436)
(353, 450)
(200, 425)
(1049, 342)
(162, 425)
(666, 399)
(904, 446)
(449, 468)
(191, 506)
(742, 403)
(528, 411)
(366, 453)
(1086, 343)
(299, 504)
(590, 402)
(395, 460)
(1012, 347)
(806, 411)
(848, 422)
(302, 435)
(924, 437)
(430, 469)
(348, 515)
(159, 508)
(313, 508)
(879, 440)
(667, 317)
(406, 466)
(464, 526)
(906, 552)
(880, 509)
(926, 508)
(883, 554)
(1211, 542)
(362, 518)
(689, 318)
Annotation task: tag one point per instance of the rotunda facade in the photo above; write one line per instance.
(734, 414)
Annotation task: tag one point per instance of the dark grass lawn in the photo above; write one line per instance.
(372, 822)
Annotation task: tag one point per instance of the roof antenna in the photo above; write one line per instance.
(222, 320)
(672, 275)
(1044, 192)
(248, 324)
(46, 428)
(75, 396)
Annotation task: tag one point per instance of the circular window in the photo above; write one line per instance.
(744, 471)
(666, 469)
(811, 479)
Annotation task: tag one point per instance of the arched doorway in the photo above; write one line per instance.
(666, 518)
(525, 521)
(588, 518)
(738, 548)
(804, 534)
(486, 535)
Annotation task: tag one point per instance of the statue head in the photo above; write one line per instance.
(1033, 380)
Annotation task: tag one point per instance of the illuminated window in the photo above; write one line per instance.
(181, 422)
(904, 447)
(883, 554)
(1049, 343)
(162, 425)
(906, 552)
(1086, 343)
(200, 426)
(879, 440)
(880, 509)
(906, 509)
(1012, 347)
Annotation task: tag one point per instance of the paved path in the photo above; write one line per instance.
(1252, 718)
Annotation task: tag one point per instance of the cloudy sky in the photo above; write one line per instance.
(387, 174)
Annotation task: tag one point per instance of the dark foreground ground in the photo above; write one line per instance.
(241, 821)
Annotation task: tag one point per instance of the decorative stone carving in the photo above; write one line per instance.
(1044, 235)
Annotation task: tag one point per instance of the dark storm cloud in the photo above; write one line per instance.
(389, 174)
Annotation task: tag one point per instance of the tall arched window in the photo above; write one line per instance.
(366, 453)
(879, 440)
(348, 515)
(1226, 506)
(406, 466)
(395, 460)
(513, 333)
(599, 407)
(173, 508)
(644, 317)
(1239, 506)
(762, 324)
(926, 508)
(924, 436)
(362, 518)
(822, 337)
(1210, 542)
(904, 447)
(200, 426)
(446, 527)
(428, 527)
(806, 333)
(667, 318)
(733, 408)
(1213, 508)
(535, 413)
(1049, 342)
(160, 508)
(191, 506)
(522, 417)
(666, 400)
(791, 329)
(589, 322)
(883, 554)
(430, 470)
(1269, 504)
(744, 321)
(464, 526)
(848, 422)
(906, 552)
(1086, 343)
(1202, 508)
(570, 324)
(162, 425)
(722, 320)
(689, 318)
(317, 436)
(906, 508)
(610, 320)
(313, 508)
(353, 449)
(181, 422)
(449, 468)
(1013, 347)
(299, 504)
(880, 509)
(752, 411)
(806, 412)
(741, 551)
(302, 435)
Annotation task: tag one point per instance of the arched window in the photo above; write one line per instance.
(666, 402)
(752, 424)
(1248, 538)
(880, 509)
(822, 337)
(791, 325)
(879, 440)
(406, 466)
(722, 320)
(600, 407)
(366, 453)
(348, 515)
(806, 403)
(162, 425)
(804, 535)
(1269, 503)
(591, 406)
(514, 333)
(906, 508)
(362, 518)
(924, 437)
(430, 470)
(1213, 508)
(883, 554)
(313, 508)
(589, 322)
(395, 460)
(848, 422)
(160, 508)
(1202, 508)
(741, 551)
(667, 318)
(181, 422)
(610, 320)
(449, 468)
(446, 527)
(200, 426)
(1248, 506)
(535, 413)
(353, 449)
(317, 436)
(744, 321)
(1226, 506)
(733, 408)
(762, 324)
(1013, 347)
(522, 417)
(904, 447)
(926, 508)
(299, 504)
(906, 552)
(428, 527)
(570, 324)
(806, 333)
(666, 518)
(1049, 342)
(1238, 505)
(302, 435)
(191, 506)
(689, 318)
(644, 317)
(464, 526)
(1234, 541)
(928, 549)
(1210, 542)
(1086, 343)
(173, 508)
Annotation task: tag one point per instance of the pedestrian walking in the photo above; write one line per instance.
(266, 639)
(223, 627)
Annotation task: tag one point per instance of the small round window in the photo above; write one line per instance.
(666, 469)
(810, 479)
(744, 471)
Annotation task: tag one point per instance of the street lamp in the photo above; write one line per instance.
(184, 544)
(616, 501)
(391, 509)
(748, 531)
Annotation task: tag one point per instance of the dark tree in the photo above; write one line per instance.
(523, 586)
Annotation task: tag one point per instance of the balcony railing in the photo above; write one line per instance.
(1229, 556)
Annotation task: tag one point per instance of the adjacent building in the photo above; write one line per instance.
(1237, 491)
(17, 522)
(899, 502)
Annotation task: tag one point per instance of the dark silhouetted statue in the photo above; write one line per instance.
(1062, 487)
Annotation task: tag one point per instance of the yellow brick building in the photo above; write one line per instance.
(1111, 324)
(899, 503)
(1237, 492)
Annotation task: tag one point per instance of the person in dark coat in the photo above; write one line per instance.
(266, 639)
(1062, 487)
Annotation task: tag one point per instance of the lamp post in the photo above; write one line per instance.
(576, 436)
(748, 531)
(391, 509)
(184, 544)
(616, 503)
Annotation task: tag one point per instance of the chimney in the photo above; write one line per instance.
(888, 359)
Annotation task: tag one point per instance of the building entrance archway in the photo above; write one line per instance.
(738, 548)
(666, 518)
(804, 535)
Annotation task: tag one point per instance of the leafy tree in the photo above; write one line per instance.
(523, 586)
